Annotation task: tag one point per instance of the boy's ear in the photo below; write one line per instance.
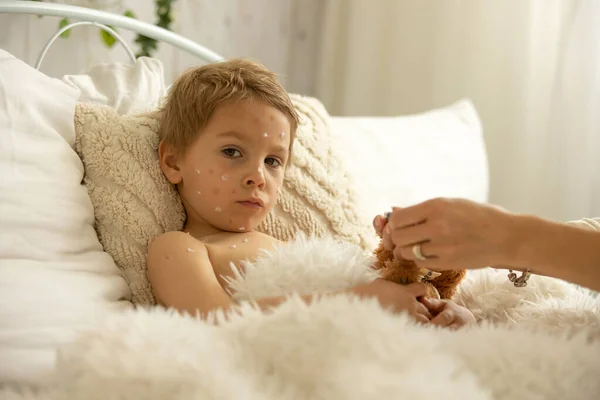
(169, 162)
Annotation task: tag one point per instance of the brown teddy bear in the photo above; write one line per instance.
(441, 284)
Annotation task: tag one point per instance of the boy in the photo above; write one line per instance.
(227, 132)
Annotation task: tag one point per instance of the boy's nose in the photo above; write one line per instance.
(255, 178)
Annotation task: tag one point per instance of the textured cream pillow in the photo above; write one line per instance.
(134, 202)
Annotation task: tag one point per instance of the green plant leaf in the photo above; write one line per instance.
(107, 38)
(64, 22)
(129, 13)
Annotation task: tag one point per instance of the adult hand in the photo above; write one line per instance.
(451, 234)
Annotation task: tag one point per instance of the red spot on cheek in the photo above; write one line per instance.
(230, 221)
(272, 118)
(216, 191)
(233, 191)
(210, 171)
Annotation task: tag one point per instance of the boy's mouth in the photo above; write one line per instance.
(252, 203)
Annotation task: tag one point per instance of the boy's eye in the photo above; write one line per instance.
(272, 162)
(230, 152)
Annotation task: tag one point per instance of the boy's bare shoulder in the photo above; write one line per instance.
(173, 238)
(173, 243)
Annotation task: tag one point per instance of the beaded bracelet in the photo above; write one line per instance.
(520, 281)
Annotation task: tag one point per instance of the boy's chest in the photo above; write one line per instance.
(234, 249)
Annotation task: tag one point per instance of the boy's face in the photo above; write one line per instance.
(230, 176)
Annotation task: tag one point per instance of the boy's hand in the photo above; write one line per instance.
(397, 298)
(448, 314)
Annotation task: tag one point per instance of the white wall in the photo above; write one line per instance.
(282, 34)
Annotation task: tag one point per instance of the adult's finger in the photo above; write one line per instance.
(379, 223)
(407, 216)
(428, 250)
(422, 319)
(411, 235)
(388, 244)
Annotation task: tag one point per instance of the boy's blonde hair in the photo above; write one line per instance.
(198, 92)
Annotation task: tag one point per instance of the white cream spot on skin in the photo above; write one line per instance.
(224, 177)
(218, 209)
(265, 134)
(199, 192)
(245, 240)
(233, 246)
(282, 134)
(241, 228)
(190, 250)
(197, 171)
(260, 170)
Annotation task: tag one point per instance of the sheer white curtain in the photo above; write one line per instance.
(532, 68)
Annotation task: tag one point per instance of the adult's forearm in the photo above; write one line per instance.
(562, 251)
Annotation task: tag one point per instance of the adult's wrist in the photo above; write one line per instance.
(522, 234)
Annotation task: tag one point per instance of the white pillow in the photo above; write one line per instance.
(128, 88)
(399, 161)
(53, 272)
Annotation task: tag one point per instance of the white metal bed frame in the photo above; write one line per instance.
(101, 19)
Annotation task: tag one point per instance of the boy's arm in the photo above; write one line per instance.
(182, 275)
(185, 280)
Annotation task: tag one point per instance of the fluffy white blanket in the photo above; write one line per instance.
(538, 342)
